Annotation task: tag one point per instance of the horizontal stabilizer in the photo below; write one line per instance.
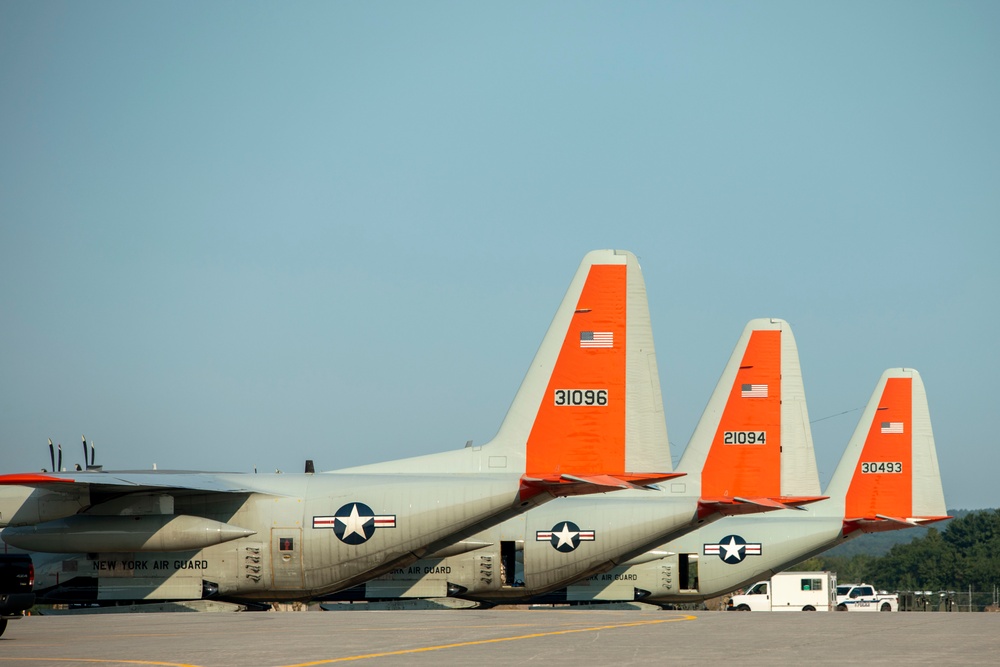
(881, 523)
(733, 506)
(578, 485)
(798, 501)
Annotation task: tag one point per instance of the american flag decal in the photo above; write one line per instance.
(597, 339)
(753, 391)
(892, 427)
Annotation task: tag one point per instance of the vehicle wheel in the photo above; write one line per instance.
(743, 607)
(841, 607)
(885, 607)
(3, 625)
(809, 607)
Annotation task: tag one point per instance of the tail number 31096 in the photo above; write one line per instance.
(581, 396)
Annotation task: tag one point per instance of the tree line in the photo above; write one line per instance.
(965, 555)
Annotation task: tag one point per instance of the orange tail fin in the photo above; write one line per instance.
(753, 443)
(890, 467)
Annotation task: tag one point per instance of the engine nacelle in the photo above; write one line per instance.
(110, 534)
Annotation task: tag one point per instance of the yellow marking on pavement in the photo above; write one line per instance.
(424, 649)
(103, 661)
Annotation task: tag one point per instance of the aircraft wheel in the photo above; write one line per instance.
(885, 607)
(809, 607)
(3, 625)
(743, 607)
(841, 607)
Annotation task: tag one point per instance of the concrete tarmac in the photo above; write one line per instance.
(503, 637)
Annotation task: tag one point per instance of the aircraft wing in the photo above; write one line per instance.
(128, 482)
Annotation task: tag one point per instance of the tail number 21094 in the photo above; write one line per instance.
(745, 438)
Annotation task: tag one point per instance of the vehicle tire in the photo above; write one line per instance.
(743, 607)
(809, 607)
(841, 607)
(3, 625)
(885, 607)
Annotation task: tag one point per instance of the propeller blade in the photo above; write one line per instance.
(59, 469)
(84, 438)
(52, 455)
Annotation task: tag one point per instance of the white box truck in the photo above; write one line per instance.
(790, 591)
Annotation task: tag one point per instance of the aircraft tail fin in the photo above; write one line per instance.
(590, 403)
(588, 416)
(888, 477)
(753, 444)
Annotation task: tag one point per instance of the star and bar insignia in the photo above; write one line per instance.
(355, 523)
(565, 536)
(733, 549)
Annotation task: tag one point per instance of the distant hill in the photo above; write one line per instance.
(878, 544)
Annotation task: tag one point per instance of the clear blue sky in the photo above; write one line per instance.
(237, 234)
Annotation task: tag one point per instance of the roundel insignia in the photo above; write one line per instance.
(732, 549)
(565, 536)
(355, 523)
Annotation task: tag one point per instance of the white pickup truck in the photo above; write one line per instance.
(864, 597)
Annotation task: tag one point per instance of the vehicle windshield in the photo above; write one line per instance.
(842, 590)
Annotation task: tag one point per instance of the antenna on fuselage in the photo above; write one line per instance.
(93, 455)
(310, 467)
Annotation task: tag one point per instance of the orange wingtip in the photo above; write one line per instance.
(881, 523)
(30, 479)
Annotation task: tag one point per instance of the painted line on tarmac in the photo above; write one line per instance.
(102, 661)
(478, 642)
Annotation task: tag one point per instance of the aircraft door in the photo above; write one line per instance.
(687, 575)
(286, 558)
(508, 564)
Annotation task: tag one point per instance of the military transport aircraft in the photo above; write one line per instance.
(752, 451)
(584, 420)
(887, 479)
